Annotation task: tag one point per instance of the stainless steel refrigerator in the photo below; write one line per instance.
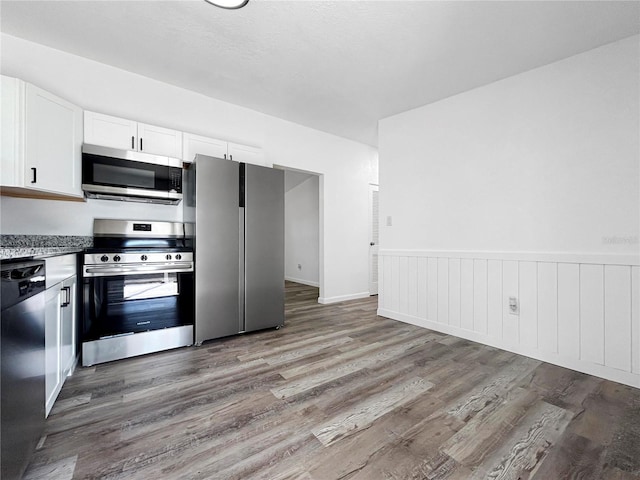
(238, 211)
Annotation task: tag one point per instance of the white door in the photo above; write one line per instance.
(197, 144)
(108, 131)
(68, 325)
(53, 136)
(11, 94)
(374, 234)
(159, 140)
(52, 332)
(246, 154)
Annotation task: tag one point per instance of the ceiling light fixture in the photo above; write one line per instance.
(228, 4)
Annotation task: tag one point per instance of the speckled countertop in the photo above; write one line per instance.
(38, 246)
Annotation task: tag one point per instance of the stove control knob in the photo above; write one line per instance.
(168, 256)
(143, 258)
(178, 257)
(116, 258)
(104, 258)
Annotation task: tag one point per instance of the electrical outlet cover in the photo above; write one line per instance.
(514, 308)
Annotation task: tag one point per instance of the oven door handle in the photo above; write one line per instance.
(137, 270)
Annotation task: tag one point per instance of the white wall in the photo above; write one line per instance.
(542, 161)
(301, 232)
(527, 187)
(347, 167)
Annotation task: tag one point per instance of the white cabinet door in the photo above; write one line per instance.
(53, 136)
(52, 337)
(159, 140)
(115, 132)
(68, 319)
(108, 131)
(61, 321)
(12, 126)
(246, 154)
(197, 144)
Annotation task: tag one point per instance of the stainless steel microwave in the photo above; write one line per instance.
(115, 174)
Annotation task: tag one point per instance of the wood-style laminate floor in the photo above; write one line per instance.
(339, 393)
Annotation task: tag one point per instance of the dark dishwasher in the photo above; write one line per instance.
(22, 359)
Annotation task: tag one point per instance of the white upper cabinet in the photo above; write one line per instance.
(54, 142)
(246, 154)
(41, 141)
(199, 145)
(115, 132)
(12, 140)
(159, 140)
(110, 131)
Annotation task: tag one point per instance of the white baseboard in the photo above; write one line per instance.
(343, 298)
(303, 282)
(601, 371)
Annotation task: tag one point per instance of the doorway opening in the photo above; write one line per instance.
(303, 228)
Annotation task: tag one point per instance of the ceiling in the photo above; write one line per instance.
(337, 66)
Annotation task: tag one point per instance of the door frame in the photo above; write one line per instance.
(374, 244)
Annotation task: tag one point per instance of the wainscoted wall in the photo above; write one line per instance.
(578, 311)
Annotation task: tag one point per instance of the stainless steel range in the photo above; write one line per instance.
(138, 290)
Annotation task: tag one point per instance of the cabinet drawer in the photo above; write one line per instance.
(60, 268)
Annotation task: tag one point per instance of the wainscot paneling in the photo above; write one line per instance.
(422, 287)
(510, 320)
(635, 319)
(432, 289)
(617, 317)
(494, 299)
(592, 313)
(480, 299)
(454, 292)
(443, 290)
(547, 305)
(578, 311)
(466, 294)
(528, 289)
(569, 310)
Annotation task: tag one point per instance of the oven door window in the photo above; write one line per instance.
(126, 304)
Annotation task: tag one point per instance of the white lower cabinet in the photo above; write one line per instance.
(52, 340)
(69, 322)
(60, 330)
